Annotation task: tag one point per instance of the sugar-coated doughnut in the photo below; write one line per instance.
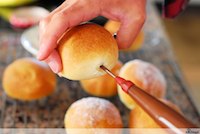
(144, 75)
(92, 112)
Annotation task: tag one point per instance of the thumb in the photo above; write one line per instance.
(128, 31)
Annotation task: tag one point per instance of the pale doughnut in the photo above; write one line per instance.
(146, 76)
(92, 112)
(84, 48)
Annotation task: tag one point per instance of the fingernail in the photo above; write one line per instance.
(60, 75)
(40, 55)
(54, 66)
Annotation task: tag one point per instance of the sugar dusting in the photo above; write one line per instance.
(93, 110)
(150, 76)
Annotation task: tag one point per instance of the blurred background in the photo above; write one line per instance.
(184, 35)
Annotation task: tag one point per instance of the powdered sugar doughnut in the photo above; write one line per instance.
(146, 76)
(92, 112)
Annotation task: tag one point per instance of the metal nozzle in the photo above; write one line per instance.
(107, 71)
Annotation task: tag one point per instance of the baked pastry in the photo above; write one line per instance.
(92, 112)
(144, 75)
(113, 27)
(28, 79)
(84, 48)
(103, 86)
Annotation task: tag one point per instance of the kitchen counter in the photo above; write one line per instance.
(49, 112)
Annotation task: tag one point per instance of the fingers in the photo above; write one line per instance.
(43, 24)
(128, 31)
(131, 14)
(64, 4)
(55, 25)
(131, 24)
(54, 62)
(50, 36)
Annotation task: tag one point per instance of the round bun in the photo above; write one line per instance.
(92, 112)
(28, 79)
(146, 76)
(113, 27)
(103, 86)
(84, 48)
(140, 119)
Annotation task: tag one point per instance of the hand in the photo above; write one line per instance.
(131, 14)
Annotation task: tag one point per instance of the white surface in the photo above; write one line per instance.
(30, 40)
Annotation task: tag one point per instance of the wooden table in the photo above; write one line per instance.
(49, 112)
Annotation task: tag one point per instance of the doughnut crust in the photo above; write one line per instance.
(28, 79)
(103, 86)
(84, 48)
(92, 112)
(144, 75)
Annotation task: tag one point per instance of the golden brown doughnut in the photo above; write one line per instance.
(84, 48)
(103, 86)
(28, 79)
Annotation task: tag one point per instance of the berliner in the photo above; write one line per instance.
(84, 48)
(140, 119)
(28, 79)
(113, 27)
(92, 112)
(103, 86)
(144, 75)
